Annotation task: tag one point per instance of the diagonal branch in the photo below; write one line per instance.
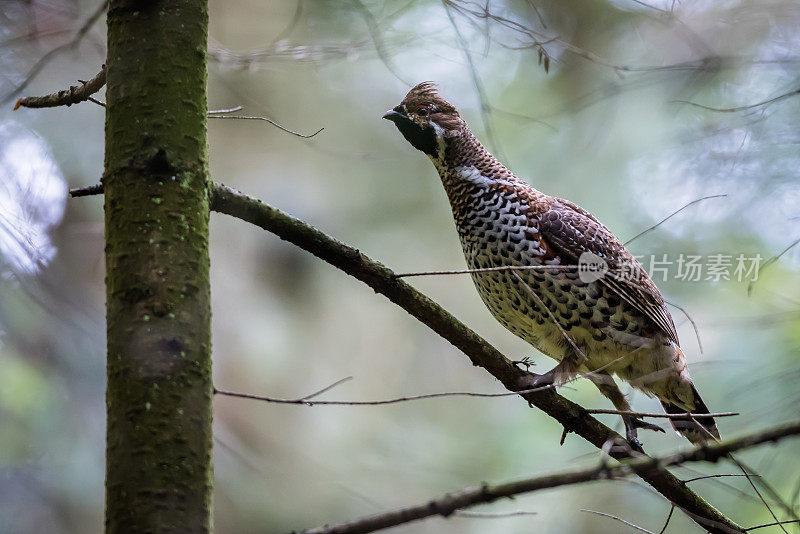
(486, 493)
(384, 281)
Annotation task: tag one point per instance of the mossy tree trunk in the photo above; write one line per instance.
(158, 474)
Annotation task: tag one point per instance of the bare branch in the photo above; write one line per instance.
(749, 473)
(726, 475)
(381, 279)
(74, 95)
(679, 416)
(691, 321)
(229, 110)
(45, 59)
(90, 190)
(770, 261)
(306, 401)
(491, 269)
(772, 525)
(272, 122)
(327, 388)
(758, 493)
(492, 515)
(669, 516)
(449, 503)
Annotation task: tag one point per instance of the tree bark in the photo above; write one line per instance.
(158, 450)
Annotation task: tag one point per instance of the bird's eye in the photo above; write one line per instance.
(423, 110)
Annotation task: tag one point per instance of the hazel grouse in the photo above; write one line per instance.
(614, 322)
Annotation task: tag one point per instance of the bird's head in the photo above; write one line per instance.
(426, 119)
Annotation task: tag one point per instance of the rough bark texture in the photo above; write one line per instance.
(158, 476)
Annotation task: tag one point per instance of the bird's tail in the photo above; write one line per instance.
(698, 429)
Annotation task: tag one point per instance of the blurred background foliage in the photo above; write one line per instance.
(608, 127)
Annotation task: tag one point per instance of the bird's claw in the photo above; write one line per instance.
(631, 426)
(525, 362)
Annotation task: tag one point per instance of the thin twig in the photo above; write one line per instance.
(230, 110)
(769, 262)
(491, 269)
(327, 388)
(772, 525)
(680, 416)
(96, 189)
(758, 493)
(272, 122)
(306, 401)
(492, 515)
(726, 475)
(691, 321)
(637, 527)
(669, 517)
(762, 481)
(66, 97)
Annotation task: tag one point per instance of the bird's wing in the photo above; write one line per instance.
(570, 230)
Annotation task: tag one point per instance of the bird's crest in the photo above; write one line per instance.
(427, 93)
(425, 90)
(424, 101)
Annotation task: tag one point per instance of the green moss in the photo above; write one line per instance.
(159, 366)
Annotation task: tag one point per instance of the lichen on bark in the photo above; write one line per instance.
(158, 475)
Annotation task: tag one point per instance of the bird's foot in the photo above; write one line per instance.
(632, 424)
(525, 362)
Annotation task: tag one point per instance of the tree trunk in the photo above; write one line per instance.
(158, 450)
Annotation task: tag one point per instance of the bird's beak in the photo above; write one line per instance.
(394, 114)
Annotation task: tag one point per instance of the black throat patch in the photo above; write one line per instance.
(421, 138)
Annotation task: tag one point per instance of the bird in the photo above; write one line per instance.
(554, 275)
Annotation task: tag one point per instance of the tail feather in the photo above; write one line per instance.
(699, 429)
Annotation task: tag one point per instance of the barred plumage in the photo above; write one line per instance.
(619, 322)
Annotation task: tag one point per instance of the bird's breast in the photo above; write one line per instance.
(498, 228)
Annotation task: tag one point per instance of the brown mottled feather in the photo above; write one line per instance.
(573, 231)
